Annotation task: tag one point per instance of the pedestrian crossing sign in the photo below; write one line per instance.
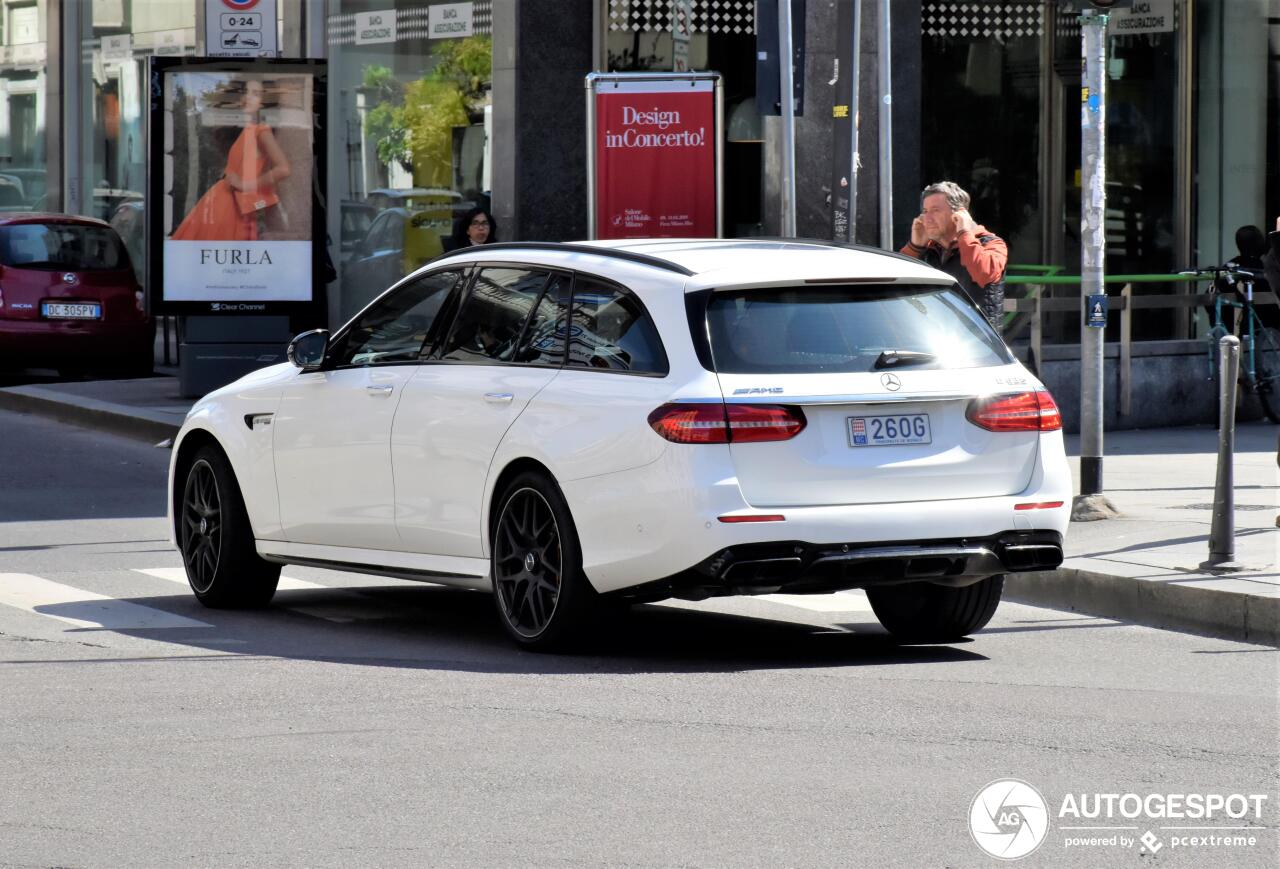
(1096, 311)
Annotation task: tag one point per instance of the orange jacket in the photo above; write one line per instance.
(983, 254)
(977, 261)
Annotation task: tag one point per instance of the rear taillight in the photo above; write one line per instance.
(716, 423)
(1023, 411)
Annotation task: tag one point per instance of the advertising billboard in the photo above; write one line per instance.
(235, 190)
(655, 159)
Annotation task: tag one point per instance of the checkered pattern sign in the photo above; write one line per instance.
(709, 16)
(1002, 20)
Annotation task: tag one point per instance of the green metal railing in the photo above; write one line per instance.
(1036, 306)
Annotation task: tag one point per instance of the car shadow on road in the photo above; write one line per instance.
(434, 628)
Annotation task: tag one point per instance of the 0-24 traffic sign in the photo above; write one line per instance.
(240, 28)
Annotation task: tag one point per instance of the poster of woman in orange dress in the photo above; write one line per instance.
(230, 210)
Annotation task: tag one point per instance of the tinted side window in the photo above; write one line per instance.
(397, 328)
(543, 341)
(491, 322)
(612, 330)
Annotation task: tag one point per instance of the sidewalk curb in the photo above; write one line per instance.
(77, 410)
(1245, 618)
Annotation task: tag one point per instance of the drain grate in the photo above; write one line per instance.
(1210, 507)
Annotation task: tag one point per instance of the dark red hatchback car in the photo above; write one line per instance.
(69, 298)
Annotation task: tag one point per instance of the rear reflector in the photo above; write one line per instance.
(717, 423)
(1043, 505)
(765, 517)
(1022, 411)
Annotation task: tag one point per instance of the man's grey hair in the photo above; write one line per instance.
(957, 198)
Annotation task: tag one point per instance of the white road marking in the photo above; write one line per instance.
(179, 575)
(839, 602)
(330, 612)
(84, 609)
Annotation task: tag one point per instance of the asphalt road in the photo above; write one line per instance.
(367, 722)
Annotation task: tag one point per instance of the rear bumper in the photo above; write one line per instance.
(34, 341)
(664, 519)
(807, 568)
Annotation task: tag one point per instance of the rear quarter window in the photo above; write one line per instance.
(834, 329)
(611, 330)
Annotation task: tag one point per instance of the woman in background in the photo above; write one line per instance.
(230, 209)
(476, 226)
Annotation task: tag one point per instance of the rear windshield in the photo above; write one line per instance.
(58, 246)
(805, 330)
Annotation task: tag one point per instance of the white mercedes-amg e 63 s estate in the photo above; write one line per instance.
(569, 425)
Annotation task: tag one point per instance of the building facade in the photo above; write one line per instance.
(487, 108)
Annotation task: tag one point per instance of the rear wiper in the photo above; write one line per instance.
(896, 358)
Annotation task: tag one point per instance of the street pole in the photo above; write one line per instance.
(1091, 503)
(786, 60)
(844, 129)
(1222, 532)
(855, 59)
(886, 129)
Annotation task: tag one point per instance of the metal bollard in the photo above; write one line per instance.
(1222, 534)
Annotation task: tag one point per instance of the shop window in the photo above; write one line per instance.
(409, 110)
(118, 38)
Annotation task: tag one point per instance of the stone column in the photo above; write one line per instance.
(542, 49)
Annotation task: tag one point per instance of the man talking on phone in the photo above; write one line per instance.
(946, 237)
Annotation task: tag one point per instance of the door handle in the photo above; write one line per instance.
(498, 397)
(379, 391)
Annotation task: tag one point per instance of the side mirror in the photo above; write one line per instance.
(308, 349)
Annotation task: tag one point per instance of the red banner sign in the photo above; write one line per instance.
(655, 159)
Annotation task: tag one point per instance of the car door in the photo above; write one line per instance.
(332, 434)
(505, 345)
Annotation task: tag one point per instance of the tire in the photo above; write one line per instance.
(919, 612)
(1267, 360)
(216, 540)
(544, 600)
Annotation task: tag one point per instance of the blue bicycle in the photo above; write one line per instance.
(1259, 344)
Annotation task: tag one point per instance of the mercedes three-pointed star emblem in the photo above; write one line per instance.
(890, 382)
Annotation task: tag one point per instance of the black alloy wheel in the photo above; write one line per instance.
(544, 600)
(201, 526)
(216, 539)
(528, 563)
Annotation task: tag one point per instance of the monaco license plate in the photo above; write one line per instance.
(71, 310)
(888, 431)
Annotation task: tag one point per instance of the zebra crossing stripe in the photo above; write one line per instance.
(84, 609)
(179, 575)
(839, 602)
(343, 613)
